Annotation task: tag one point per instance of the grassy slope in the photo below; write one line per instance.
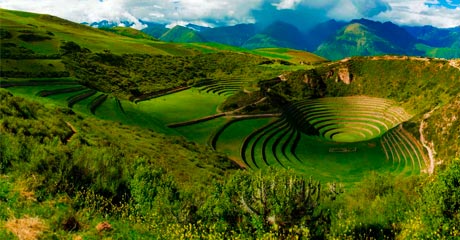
(181, 34)
(33, 136)
(153, 114)
(94, 39)
(129, 32)
(294, 56)
(362, 39)
(286, 54)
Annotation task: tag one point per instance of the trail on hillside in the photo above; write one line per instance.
(214, 116)
(455, 64)
(244, 107)
(74, 131)
(429, 146)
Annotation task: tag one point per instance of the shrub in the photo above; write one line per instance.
(440, 204)
(33, 37)
(269, 200)
(5, 34)
(154, 192)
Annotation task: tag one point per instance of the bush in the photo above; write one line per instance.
(5, 34)
(440, 205)
(33, 37)
(154, 192)
(272, 200)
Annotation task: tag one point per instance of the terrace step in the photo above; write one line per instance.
(366, 117)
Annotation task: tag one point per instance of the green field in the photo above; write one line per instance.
(154, 114)
(352, 136)
(231, 138)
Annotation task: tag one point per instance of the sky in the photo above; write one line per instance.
(302, 13)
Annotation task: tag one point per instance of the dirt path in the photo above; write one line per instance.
(160, 94)
(194, 121)
(74, 131)
(238, 162)
(262, 115)
(210, 117)
(243, 107)
(429, 146)
(455, 64)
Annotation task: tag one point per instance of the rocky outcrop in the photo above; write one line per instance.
(310, 81)
(344, 75)
(283, 77)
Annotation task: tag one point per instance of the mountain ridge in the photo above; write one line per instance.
(385, 38)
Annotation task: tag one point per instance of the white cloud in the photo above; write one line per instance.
(165, 11)
(286, 4)
(230, 12)
(343, 10)
(415, 12)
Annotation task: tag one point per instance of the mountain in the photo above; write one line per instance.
(181, 34)
(435, 37)
(321, 33)
(197, 28)
(109, 24)
(331, 39)
(366, 38)
(277, 34)
(155, 29)
(232, 35)
(435, 42)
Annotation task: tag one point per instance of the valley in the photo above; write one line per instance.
(206, 140)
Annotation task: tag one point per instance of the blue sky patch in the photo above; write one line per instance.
(450, 4)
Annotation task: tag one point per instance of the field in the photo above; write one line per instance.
(333, 139)
(154, 114)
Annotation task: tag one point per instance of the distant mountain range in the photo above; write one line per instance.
(332, 39)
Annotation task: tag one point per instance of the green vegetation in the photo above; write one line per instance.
(181, 34)
(57, 31)
(63, 175)
(97, 143)
(129, 32)
(277, 34)
(139, 77)
(367, 38)
(293, 56)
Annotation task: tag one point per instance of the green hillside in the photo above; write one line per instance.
(232, 35)
(129, 32)
(276, 35)
(181, 35)
(435, 42)
(367, 38)
(44, 34)
(290, 55)
(119, 136)
(155, 30)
